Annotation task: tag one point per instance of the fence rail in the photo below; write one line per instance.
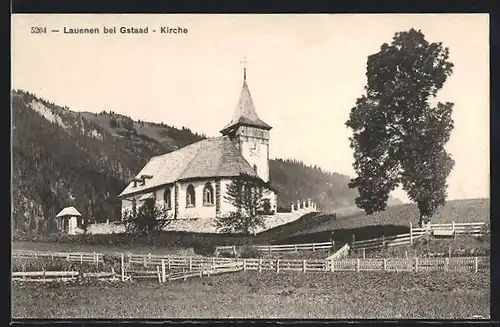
(197, 264)
(280, 248)
(474, 228)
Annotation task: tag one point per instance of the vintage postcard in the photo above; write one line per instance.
(250, 166)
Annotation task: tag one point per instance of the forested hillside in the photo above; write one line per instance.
(62, 158)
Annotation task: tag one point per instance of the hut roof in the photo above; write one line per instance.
(69, 211)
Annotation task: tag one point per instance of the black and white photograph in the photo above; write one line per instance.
(250, 166)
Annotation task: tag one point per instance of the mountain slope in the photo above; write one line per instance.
(62, 158)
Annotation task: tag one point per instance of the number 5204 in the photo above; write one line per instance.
(38, 30)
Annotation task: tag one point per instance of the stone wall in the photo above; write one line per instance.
(207, 225)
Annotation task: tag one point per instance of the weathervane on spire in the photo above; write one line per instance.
(244, 62)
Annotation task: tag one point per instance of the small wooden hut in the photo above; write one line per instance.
(67, 220)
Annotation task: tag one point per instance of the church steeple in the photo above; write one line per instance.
(245, 113)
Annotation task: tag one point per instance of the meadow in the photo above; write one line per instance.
(433, 295)
(393, 221)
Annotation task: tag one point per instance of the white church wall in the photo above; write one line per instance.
(200, 210)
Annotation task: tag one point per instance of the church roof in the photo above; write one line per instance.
(213, 157)
(245, 113)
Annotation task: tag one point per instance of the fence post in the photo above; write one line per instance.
(234, 250)
(453, 227)
(385, 264)
(278, 266)
(149, 258)
(144, 261)
(163, 273)
(353, 240)
(295, 245)
(357, 265)
(449, 251)
(475, 264)
(123, 267)
(81, 257)
(269, 247)
(304, 266)
(244, 264)
(313, 247)
(260, 265)
(190, 263)
(364, 253)
(416, 264)
(333, 244)
(446, 263)
(383, 241)
(36, 256)
(213, 262)
(97, 260)
(168, 258)
(411, 234)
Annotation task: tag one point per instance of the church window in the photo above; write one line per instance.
(190, 196)
(167, 198)
(134, 205)
(208, 194)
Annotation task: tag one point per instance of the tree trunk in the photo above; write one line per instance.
(423, 220)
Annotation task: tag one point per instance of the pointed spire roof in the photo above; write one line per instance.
(245, 113)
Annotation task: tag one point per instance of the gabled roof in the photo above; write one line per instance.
(213, 157)
(69, 211)
(245, 113)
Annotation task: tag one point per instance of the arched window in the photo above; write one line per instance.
(167, 198)
(190, 196)
(134, 206)
(208, 194)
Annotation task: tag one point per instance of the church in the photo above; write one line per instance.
(192, 181)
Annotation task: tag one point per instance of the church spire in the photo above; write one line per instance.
(245, 113)
(244, 62)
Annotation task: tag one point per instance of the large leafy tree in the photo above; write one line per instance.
(247, 195)
(398, 136)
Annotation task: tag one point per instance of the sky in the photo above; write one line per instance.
(304, 72)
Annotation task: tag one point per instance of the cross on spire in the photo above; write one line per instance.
(244, 62)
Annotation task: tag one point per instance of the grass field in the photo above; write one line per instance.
(104, 248)
(395, 220)
(436, 295)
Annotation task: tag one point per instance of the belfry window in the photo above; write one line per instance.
(190, 196)
(167, 198)
(208, 194)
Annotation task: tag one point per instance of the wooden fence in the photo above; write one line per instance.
(452, 228)
(280, 248)
(197, 264)
(401, 239)
(91, 257)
